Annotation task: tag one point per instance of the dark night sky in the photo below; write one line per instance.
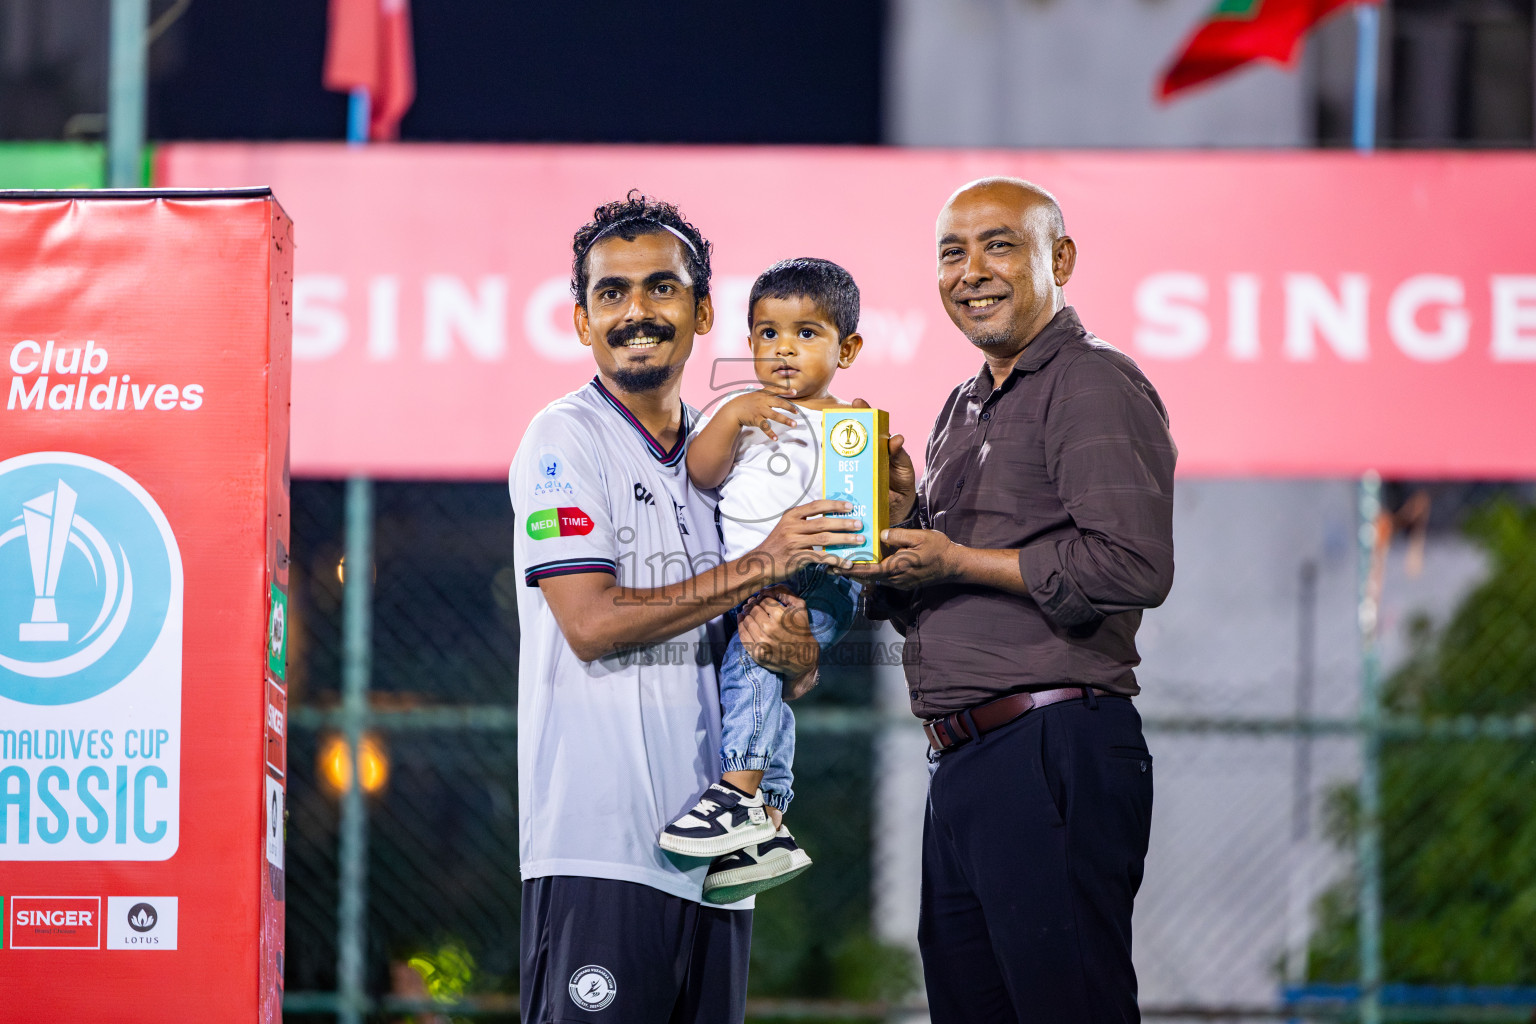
(792, 71)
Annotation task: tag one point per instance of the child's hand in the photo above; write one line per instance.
(762, 409)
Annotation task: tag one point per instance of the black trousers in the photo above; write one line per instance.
(596, 950)
(1032, 854)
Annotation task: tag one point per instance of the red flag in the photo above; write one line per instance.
(1238, 31)
(369, 47)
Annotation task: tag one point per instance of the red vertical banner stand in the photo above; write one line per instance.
(143, 604)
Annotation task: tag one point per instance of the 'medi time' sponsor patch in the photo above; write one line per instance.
(559, 522)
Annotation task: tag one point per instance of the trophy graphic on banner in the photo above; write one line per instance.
(855, 467)
(47, 520)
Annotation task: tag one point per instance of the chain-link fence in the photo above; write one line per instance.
(1317, 854)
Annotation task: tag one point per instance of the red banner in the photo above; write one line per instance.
(143, 597)
(1300, 313)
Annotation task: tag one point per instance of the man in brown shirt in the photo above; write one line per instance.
(1042, 528)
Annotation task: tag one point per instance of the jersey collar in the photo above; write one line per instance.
(666, 456)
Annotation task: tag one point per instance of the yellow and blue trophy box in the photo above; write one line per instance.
(856, 467)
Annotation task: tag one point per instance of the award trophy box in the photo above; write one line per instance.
(855, 467)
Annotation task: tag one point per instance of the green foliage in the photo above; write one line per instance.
(799, 954)
(447, 971)
(870, 971)
(810, 940)
(1458, 817)
(856, 969)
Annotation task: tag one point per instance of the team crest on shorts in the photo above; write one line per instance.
(592, 987)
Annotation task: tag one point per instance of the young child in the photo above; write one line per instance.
(762, 449)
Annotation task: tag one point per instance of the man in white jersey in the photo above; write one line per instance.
(618, 703)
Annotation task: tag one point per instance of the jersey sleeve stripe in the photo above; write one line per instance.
(567, 567)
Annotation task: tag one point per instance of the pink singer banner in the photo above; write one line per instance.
(1301, 313)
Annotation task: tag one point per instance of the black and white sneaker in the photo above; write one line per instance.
(747, 872)
(724, 820)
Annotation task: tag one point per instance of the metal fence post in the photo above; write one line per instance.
(357, 651)
(1368, 851)
(1367, 41)
(359, 103)
(125, 93)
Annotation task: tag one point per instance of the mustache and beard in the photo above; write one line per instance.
(984, 336)
(987, 337)
(647, 378)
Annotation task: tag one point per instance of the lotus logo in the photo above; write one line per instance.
(142, 917)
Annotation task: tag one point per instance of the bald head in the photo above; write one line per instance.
(1027, 193)
(1004, 257)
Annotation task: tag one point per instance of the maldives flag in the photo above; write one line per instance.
(1238, 31)
(369, 47)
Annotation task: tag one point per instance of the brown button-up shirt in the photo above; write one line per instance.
(1070, 462)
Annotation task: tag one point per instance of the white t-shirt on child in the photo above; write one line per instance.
(768, 478)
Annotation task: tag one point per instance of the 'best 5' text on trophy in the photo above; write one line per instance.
(855, 467)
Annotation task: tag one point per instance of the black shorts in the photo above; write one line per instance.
(596, 950)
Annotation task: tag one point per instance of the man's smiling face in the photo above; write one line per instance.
(1000, 265)
(641, 317)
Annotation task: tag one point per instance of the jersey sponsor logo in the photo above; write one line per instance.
(592, 987)
(559, 522)
(644, 496)
(552, 469)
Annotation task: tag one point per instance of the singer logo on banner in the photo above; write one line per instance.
(1299, 313)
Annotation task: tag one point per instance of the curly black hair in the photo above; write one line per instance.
(822, 281)
(635, 215)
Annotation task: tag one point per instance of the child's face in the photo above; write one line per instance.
(796, 347)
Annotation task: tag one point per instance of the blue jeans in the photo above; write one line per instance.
(757, 729)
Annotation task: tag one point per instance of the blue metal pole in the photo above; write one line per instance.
(125, 93)
(1368, 851)
(359, 110)
(357, 652)
(352, 844)
(1368, 844)
(1367, 33)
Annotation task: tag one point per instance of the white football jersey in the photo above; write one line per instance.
(610, 751)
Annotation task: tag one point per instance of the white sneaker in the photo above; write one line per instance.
(747, 872)
(724, 820)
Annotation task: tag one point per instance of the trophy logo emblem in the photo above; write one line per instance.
(85, 577)
(91, 601)
(50, 523)
(849, 438)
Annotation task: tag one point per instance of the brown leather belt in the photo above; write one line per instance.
(973, 723)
